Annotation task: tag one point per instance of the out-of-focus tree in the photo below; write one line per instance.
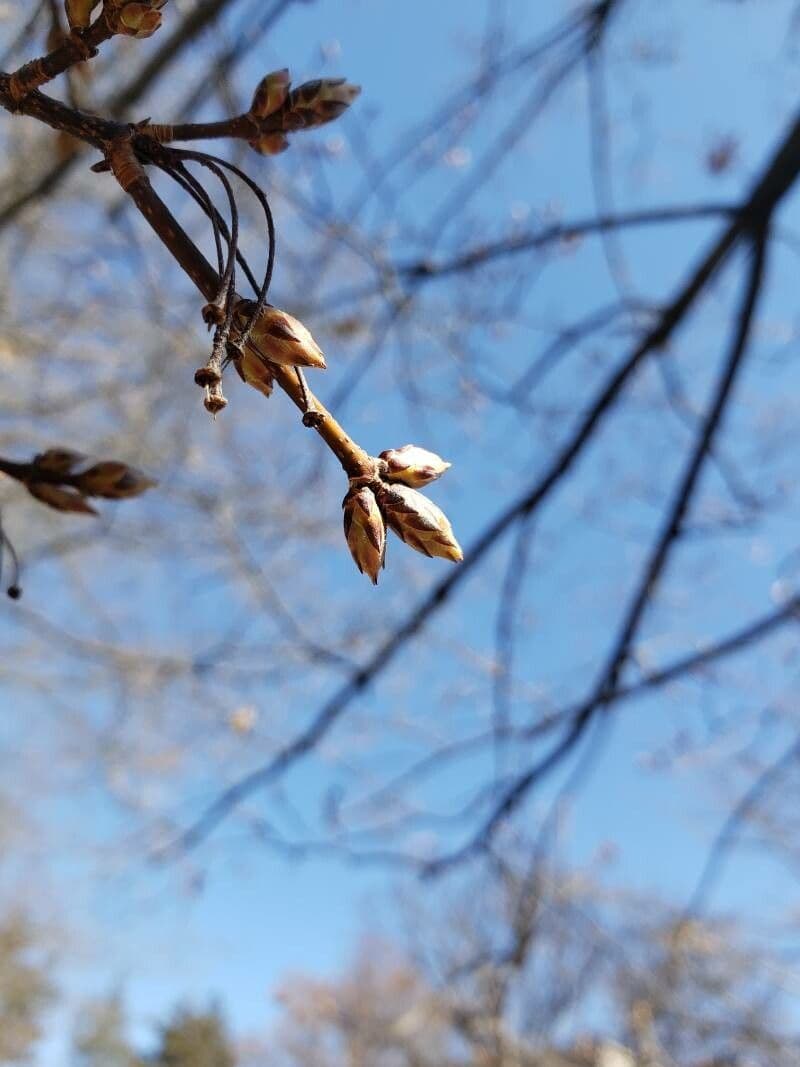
(542, 967)
(382, 1011)
(26, 987)
(195, 1038)
(100, 1038)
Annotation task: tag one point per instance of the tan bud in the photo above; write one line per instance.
(413, 465)
(139, 20)
(281, 338)
(270, 93)
(79, 12)
(253, 370)
(316, 102)
(60, 498)
(270, 144)
(59, 460)
(418, 522)
(365, 531)
(113, 480)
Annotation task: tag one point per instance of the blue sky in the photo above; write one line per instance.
(730, 69)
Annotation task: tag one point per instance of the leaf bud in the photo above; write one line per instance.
(270, 93)
(280, 338)
(316, 102)
(365, 531)
(79, 13)
(60, 498)
(270, 144)
(419, 522)
(412, 465)
(113, 480)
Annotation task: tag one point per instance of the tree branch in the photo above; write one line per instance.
(777, 178)
(654, 568)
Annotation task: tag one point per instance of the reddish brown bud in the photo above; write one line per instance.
(270, 93)
(207, 376)
(270, 144)
(113, 480)
(365, 531)
(139, 19)
(413, 466)
(79, 12)
(280, 338)
(418, 522)
(316, 102)
(213, 314)
(255, 371)
(59, 460)
(60, 498)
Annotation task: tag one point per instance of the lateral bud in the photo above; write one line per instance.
(281, 338)
(270, 144)
(413, 466)
(139, 18)
(79, 12)
(270, 94)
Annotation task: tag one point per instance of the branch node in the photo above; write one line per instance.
(123, 162)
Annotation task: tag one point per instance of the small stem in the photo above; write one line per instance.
(31, 473)
(241, 126)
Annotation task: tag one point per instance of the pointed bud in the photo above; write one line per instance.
(418, 522)
(60, 498)
(113, 480)
(254, 371)
(413, 466)
(316, 102)
(270, 93)
(270, 144)
(365, 531)
(59, 460)
(79, 13)
(139, 20)
(281, 338)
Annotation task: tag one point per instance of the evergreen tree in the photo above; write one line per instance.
(195, 1039)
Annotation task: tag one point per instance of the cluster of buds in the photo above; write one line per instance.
(134, 18)
(276, 337)
(275, 111)
(63, 480)
(391, 499)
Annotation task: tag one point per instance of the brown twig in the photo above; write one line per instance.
(79, 46)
